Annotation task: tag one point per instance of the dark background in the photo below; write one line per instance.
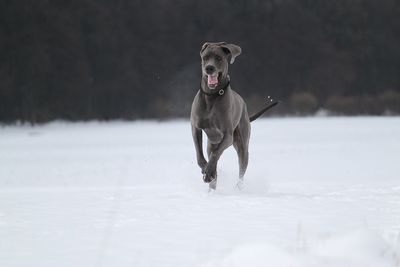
(130, 59)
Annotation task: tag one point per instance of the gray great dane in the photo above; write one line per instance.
(220, 112)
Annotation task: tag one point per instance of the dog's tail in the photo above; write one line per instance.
(264, 109)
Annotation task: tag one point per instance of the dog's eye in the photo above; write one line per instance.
(218, 58)
(205, 58)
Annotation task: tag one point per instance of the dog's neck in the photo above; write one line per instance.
(219, 90)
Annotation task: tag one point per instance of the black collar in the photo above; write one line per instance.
(220, 92)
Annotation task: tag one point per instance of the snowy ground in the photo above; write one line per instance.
(319, 192)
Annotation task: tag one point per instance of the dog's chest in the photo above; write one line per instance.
(212, 128)
(208, 117)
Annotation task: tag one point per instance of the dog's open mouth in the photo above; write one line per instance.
(212, 81)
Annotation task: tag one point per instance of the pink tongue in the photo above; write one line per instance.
(212, 80)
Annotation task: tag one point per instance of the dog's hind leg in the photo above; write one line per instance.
(242, 151)
(241, 138)
(243, 157)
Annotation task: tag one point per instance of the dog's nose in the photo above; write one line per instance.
(210, 69)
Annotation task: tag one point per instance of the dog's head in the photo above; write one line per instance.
(215, 58)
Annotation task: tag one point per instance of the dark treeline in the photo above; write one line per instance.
(87, 59)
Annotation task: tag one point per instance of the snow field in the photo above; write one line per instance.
(318, 192)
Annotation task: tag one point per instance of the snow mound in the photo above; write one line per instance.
(361, 248)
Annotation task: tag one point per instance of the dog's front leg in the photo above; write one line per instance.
(198, 144)
(211, 169)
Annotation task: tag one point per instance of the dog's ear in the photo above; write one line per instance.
(204, 47)
(233, 50)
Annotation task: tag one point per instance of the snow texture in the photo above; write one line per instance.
(318, 192)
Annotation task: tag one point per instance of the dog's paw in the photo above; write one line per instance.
(207, 178)
(203, 165)
(210, 173)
